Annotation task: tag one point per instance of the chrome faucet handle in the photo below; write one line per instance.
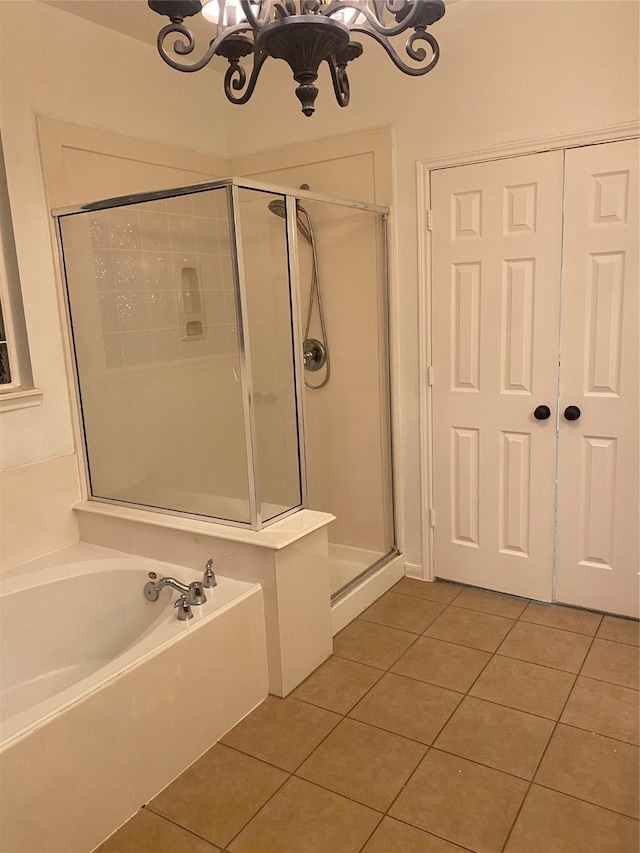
(209, 578)
(184, 608)
(196, 594)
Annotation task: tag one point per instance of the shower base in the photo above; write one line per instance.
(347, 563)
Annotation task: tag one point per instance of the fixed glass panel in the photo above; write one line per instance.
(347, 417)
(269, 327)
(155, 331)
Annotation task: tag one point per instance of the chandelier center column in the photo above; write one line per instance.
(304, 44)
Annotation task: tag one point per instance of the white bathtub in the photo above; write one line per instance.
(105, 697)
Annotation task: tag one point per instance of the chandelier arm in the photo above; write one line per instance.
(340, 82)
(419, 54)
(236, 78)
(377, 24)
(185, 48)
(255, 23)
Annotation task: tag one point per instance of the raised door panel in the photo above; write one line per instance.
(598, 549)
(496, 274)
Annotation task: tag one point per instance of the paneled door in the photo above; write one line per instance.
(495, 306)
(598, 477)
(508, 251)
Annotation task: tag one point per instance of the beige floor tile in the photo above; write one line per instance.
(281, 731)
(337, 685)
(463, 802)
(470, 628)
(303, 818)
(403, 611)
(442, 591)
(395, 837)
(499, 737)
(606, 709)
(591, 767)
(218, 794)
(620, 630)
(407, 707)
(546, 646)
(525, 686)
(363, 763)
(491, 602)
(554, 823)
(614, 662)
(371, 644)
(148, 833)
(566, 618)
(444, 664)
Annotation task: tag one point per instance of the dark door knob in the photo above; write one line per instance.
(572, 413)
(542, 413)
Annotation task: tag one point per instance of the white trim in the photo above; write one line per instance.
(413, 570)
(532, 145)
(20, 398)
(425, 391)
(614, 133)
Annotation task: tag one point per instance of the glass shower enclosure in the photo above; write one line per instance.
(190, 313)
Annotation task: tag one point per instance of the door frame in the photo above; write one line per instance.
(535, 145)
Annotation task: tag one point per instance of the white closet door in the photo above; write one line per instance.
(597, 553)
(496, 281)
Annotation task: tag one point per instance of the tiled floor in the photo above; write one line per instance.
(448, 719)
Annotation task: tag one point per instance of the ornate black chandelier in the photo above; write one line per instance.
(304, 33)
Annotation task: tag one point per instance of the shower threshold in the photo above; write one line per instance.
(351, 566)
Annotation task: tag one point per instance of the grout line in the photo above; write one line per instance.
(181, 826)
(544, 751)
(522, 710)
(255, 814)
(362, 618)
(609, 737)
(289, 775)
(588, 802)
(488, 612)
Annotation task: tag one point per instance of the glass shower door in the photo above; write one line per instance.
(347, 418)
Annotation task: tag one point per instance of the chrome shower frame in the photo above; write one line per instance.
(291, 196)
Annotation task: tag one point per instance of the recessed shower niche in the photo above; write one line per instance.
(230, 342)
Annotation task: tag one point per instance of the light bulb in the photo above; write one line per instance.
(348, 16)
(233, 13)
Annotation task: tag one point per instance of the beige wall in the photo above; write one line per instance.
(55, 64)
(509, 71)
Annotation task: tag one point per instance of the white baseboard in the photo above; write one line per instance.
(413, 570)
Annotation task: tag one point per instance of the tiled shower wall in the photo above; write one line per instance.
(139, 254)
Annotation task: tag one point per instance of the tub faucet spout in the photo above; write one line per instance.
(173, 583)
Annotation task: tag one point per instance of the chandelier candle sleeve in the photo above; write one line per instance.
(304, 33)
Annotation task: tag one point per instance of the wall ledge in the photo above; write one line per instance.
(277, 536)
(20, 398)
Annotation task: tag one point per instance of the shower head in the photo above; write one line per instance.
(278, 207)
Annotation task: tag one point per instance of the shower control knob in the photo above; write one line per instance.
(314, 354)
(572, 413)
(542, 413)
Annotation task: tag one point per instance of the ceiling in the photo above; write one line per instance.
(134, 18)
(131, 17)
